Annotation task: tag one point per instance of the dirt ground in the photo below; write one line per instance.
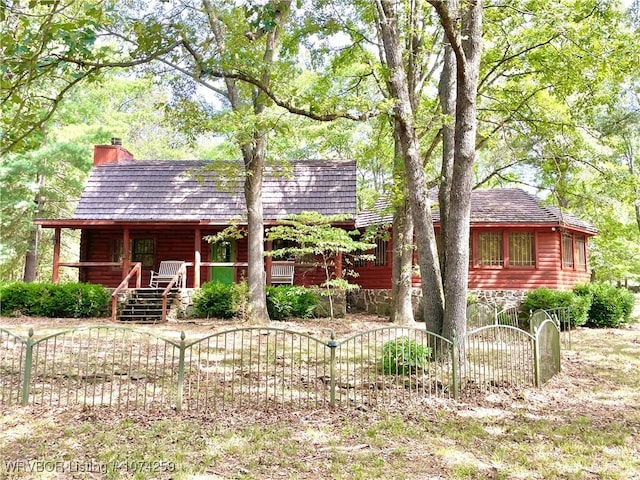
(549, 432)
(320, 328)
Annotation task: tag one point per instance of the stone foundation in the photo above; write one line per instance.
(500, 298)
(378, 302)
(183, 303)
(373, 301)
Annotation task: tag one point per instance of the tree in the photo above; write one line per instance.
(33, 38)
(46, 182)
(311, 234)
(35, 184)
(465, 43)
(404, 125)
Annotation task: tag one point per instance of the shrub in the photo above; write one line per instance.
(403, 355)
(546, 299)
(215, 299)
(610, 306)
(286, 301)
(68, 300)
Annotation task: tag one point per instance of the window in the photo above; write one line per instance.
(117, 252)
(522, 249)
(381, 250)
(490, 249)
(567, 251)
(222, 252)
(143, 251)
(355, 259)
(580, 253)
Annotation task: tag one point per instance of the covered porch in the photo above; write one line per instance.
(110, 251)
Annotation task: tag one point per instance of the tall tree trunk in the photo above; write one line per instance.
(447, 93)
(254, 155)
(402, 268)
(433, 298)
(254, 158)
(402, 291)
(467, 48)
(31, 258)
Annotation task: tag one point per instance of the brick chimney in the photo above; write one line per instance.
(110, 153)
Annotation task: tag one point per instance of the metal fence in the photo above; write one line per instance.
(127, 368)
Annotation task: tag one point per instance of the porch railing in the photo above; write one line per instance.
(135, 270)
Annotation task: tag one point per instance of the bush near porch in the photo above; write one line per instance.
(67, 300)
(230, 301)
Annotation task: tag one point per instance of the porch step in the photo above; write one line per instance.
(145, 305)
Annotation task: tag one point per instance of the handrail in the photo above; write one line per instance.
(181, 275)
(137, 269)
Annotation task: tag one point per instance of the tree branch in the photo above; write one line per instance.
(449, 26)
(55, 102)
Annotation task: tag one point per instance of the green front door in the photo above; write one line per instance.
(223, 252)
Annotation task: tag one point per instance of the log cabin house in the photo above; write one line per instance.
(516, 243)
(134, 211)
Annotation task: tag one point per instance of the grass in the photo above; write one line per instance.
(584, 424)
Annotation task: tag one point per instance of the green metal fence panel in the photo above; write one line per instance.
(507, 316)
(392, 364)
(104, 365)
(480, 315)
(125, 368)
(537, 318)
(563, 320)
(496, 356)
(252, 366)
(13, 350)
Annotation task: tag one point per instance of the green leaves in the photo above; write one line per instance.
(35, 44)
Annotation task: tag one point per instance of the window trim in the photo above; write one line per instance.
(474, 253)
(577, 252)
(381, 260)
(534, 252)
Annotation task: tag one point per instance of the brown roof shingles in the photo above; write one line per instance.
(506, 206)
(195, 191)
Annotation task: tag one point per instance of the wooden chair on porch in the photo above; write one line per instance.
(282, 273)
(166, 272)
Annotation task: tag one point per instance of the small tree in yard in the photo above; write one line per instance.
(311, 234)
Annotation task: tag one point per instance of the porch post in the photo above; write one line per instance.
(126, 254)
(268, 260)
(339, 264)
(197, 258)
(55, 275)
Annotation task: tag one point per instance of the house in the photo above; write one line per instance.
(149, 211)
(516, 244)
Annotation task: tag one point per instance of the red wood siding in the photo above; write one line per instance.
(548, 271)
(178, 244)
(375, 276)
(170, 244)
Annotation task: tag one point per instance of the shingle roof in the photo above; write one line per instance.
(507, 206)
(194, 190)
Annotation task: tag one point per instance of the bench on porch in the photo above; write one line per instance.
(166, 272)
(282, 273)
